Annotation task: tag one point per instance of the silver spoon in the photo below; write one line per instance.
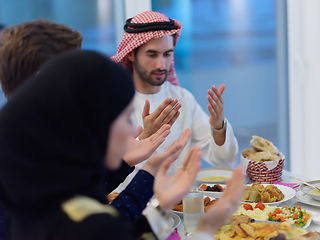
(305, 183)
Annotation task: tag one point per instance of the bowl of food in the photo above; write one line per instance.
(263, 162)
(310, 191)
(213, 175)
(213, 190)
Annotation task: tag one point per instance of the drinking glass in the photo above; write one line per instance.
(193, 209)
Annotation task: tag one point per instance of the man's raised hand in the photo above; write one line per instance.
(166, 113)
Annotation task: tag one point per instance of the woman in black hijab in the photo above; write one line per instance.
(54, 136)
(57, 134)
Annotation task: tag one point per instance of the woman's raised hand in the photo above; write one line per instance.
(153, 164)
(138, 151)
(170, 190)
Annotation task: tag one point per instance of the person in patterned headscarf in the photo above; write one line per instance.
(147, 50)
(133, 38)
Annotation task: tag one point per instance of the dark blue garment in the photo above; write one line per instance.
(114, 178)
(134, 198)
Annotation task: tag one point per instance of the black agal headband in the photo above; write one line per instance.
(146, 27)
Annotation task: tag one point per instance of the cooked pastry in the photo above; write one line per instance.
(178, 207)
(206, 200)
(249, 230)
(258, 193)
(251, 194)
(209, 205)
(246, 152)
(263, 157)
(307, 236)
(237, 219)
(258, 186)
(261, 144)
(271, 194)
(240, 232)
(228, 230)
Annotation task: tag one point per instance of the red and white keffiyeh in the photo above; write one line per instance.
(130, 41)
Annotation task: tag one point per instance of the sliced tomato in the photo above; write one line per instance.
(295, 216)
(261, 206)
(247, 206)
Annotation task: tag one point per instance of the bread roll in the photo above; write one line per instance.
(246, 152)
(261, 144)
(263, 157)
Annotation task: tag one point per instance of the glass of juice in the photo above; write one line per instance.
(193, 209)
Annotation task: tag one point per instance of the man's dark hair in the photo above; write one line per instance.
(25, 47)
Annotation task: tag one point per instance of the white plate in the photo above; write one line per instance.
(180, 214)
(210, 193)
(311, 213)
(306, 199)
(213, 172)
(175, 219)
(288, 192)
(307, 225)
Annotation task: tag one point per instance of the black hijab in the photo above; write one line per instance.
(54, 131)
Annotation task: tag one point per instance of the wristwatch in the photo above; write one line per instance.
(222, 129)
(156, 204)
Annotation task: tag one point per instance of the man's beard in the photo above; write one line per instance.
(148, 77)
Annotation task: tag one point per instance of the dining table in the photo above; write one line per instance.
(290, 203)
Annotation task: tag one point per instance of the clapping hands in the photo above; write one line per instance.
(216, 105)
(139, 151)
(173, 151)
(166, 113)
(170, 190)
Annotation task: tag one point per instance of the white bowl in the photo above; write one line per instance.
(316, 219)
(212, 172)
(306, 189)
